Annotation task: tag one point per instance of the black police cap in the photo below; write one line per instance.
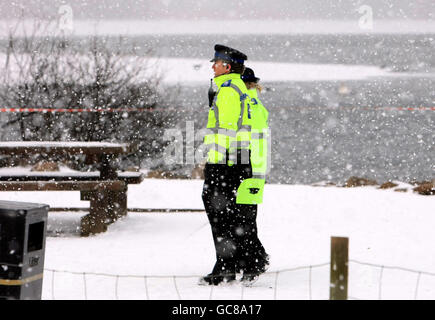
(228, 54)
(249, 76)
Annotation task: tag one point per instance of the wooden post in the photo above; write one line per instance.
(339, 268)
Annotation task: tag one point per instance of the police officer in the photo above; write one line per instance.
(231, 190)
(259, 153)
(259, 125)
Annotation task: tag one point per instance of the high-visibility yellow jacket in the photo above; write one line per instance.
(259, 135)
(228, 121)
(238, 120)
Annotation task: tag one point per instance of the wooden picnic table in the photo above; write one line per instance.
(98, 152)
(107, 192)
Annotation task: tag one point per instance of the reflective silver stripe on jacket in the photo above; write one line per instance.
(218, 148)
(258, 135)
(240, 144)
(227, 132)
(243, 97)
(259, 176)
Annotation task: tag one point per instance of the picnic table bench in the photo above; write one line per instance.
(106, 189)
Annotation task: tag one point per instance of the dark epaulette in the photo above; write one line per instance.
(226, 84)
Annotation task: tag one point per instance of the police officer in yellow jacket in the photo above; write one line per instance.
(259, 148)
(231, 188)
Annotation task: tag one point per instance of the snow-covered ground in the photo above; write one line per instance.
(138, 257)
(196, 71)
(179, 70)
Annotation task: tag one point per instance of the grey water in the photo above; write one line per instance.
(381, 128)
(333, 136)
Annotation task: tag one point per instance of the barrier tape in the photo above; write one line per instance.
(112, 110)
(366, 108)
(78, 110)
(19, 282)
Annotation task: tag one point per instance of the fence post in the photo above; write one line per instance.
(339, 268)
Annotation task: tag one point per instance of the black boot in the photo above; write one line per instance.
(223, 272)
(252, 273)
(216, 279)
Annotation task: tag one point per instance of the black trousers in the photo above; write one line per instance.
(233, 225)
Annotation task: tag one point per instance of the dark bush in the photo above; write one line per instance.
(120, 95)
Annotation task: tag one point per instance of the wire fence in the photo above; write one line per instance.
(184, 287)
(177, 287)
(382, 268)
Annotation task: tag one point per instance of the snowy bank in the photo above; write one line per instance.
(295, 225)
(186, 71)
